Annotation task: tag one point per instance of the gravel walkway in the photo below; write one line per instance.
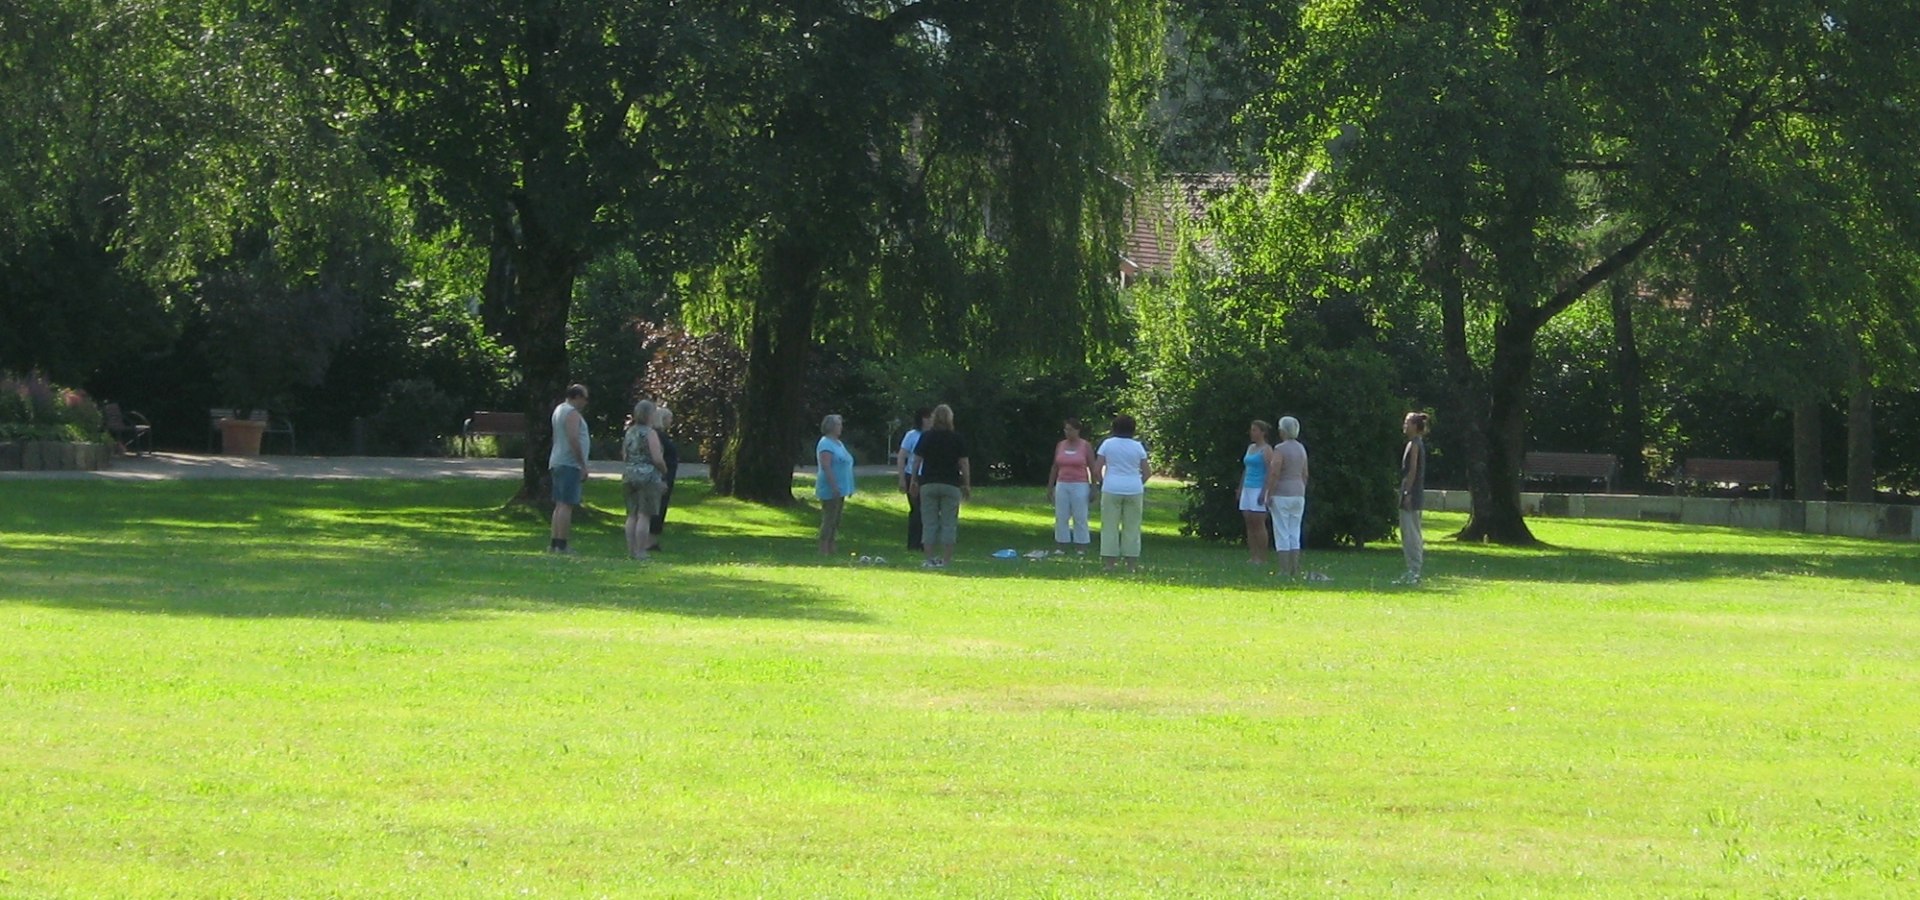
(172, 466)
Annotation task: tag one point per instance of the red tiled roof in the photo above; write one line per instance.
(1153, 235)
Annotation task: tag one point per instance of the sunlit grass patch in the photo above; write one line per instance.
(387, 689)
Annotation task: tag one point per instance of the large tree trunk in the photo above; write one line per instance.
(1630, 427)
(526, 300)
(545, 296)
(1860, 434)
(1808, 481)
(758, 463)
(1497, 515)
(1490, 413)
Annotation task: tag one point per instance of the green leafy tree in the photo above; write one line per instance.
(1516, 154)
(547, 132)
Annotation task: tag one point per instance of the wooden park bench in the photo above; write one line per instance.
(491, 424)
(1597, 467)
(1739, 473)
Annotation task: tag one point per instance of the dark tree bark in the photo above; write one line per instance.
(546, 296)
(759, 459)
(1630, 427)
(1498, 518)
(1808, 481)
(1489, 411)
(526, 300)
(1860, 433)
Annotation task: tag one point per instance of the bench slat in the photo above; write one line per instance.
(1744, 471)
(496, 423)
(1541, 464)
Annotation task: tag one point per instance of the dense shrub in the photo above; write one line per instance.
(413, 420)
(1197, 409)
(1009, 412)
(698, 376)
(1266, 321)
(35, 409)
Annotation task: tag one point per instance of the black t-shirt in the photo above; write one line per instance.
(941, 452)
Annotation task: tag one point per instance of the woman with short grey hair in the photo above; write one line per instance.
(834, 484)
(670, 452)
(1286, 494)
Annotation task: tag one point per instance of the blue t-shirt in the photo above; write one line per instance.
(1256, 476)
(842, 469)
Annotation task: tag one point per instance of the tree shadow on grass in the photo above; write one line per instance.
(361, 550)
(379, 586)
(394, 549)
(1659, 554)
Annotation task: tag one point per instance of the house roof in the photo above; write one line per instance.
(1153, 231)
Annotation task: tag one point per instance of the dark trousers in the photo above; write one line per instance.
(913, 523)
(660, 521)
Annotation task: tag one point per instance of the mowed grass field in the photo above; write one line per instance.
(367, 689)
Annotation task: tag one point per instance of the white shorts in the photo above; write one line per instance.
(1287, 513)
(1250, 500)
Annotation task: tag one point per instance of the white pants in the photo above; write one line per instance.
(1287, 513)
(1070, 513)
(1413, 544)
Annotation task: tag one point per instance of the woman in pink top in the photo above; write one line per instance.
(1069, 485)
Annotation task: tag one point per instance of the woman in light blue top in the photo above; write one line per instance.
(835, 482)
(1253, 482)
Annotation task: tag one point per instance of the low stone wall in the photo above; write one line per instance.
(1868, 520)
(53, 456)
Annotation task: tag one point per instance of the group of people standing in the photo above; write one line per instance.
(936, 474)
(650, 463)
(1274, 488)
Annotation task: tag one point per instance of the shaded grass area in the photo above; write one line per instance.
(384, 689)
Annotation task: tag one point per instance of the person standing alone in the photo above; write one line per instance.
(567, 464)
(1121, 468)
(1413, 490)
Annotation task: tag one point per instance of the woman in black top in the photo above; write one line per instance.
(944, 479)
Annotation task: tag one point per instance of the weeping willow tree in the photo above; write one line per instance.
(930, 174)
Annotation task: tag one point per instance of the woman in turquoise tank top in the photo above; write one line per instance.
(1252, 480)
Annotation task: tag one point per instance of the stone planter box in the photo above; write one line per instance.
(53, 456)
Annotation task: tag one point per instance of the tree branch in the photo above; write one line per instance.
(1600, 272)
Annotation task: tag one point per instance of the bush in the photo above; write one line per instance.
(413, 418)
(1010, 413)
(35, 409)
(1268, 321)
(698, 376)
(1196, 414)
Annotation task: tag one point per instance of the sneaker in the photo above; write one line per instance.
(929, 564)
(1408, 578)
(1318, 576)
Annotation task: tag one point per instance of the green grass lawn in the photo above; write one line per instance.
(384, 689)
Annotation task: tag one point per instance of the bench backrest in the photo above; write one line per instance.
(1578, 465)
(1733, 471)
(498, 423)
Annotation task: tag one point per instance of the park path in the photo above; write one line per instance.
(189, 466)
